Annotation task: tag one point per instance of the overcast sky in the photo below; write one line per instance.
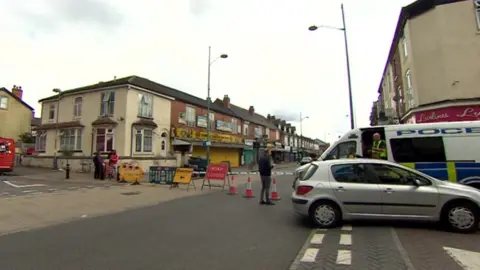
(274, 64)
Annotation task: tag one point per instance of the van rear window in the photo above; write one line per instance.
(428, 149)
(3, 147)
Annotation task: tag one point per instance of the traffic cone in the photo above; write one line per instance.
(248, 189)
(274, 194)
(233, 188)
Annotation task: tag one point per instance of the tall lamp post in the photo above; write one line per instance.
(301, 130)
(344, 29)
(209, 100)
(55, 161)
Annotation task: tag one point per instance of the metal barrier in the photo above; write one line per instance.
(161, 174)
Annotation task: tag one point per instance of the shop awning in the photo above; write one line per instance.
(178, 142)
(224, 145)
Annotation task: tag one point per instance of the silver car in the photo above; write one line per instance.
(346, 189)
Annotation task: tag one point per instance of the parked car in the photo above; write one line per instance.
(346, 189)
(305, 160)
(198, 164)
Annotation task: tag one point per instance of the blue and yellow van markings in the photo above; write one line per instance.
(449, 171)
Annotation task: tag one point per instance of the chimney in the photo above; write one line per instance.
(226, 101)
(17, 91)
(269, 117)
(273, 117)
(251, 110)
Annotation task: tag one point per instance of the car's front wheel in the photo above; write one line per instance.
(325, 214)
(462, 217)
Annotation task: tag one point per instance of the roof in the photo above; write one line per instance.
(413, 10)
(16, 98)
(245, 115)
(36, 121)
(149, 85)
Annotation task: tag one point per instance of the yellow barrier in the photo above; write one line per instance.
(130, 173)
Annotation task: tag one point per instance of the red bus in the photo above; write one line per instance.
(7, 154)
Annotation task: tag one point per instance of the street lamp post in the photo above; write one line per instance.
(55, 161)
(301, 130)
(344, 29)
(209, 101)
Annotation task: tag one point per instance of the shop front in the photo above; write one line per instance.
(223, 148)
(247, 153)
(278, 152)
(447, 113)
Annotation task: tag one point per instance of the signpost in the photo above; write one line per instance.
(183, 176)
(217, 172)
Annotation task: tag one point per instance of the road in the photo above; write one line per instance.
(35, 181)
(218, 231)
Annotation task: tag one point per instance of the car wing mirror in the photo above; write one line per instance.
(413, 180)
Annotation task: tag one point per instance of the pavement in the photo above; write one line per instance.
(154, 227)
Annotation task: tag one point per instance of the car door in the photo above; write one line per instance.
(404, 192)
(351, 186)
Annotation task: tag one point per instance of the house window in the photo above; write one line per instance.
(107, 103)
(404, 46)
(409, 97)
(104, 139)
(211, 118)
(77, 107)
(267, 132)
(145, 105)
(190, 116)
(51, 111)
(41, 141)
(3, 103)
(234, 126)
(477, 11)
(144, 141)
(245, 130)
(71, 139)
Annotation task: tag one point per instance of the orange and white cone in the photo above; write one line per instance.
(273, 191)
(233, 189)
(248, 189)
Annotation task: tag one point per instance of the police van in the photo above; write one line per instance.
(447, 151)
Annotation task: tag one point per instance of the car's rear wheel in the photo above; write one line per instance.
(325, 214)
(461, 217)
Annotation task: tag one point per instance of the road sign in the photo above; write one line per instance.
(183, 176)
(216, 172)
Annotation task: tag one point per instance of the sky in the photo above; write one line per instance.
(274, 63)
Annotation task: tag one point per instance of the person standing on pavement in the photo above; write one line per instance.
(98, 164)
(113, 162)
(265, 169)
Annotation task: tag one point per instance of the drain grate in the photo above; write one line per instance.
(131, 193)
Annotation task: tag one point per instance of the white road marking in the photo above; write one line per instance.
(5, 193)
(72, 187)
(310, 255)
(22, 186)
(36, 193)
(83, 216)
(402, 251)
(346, 239)
(344, 257)
(468, 260)
(52, 189)
(34, 177)
(317, 239)
(347, 228)
(29, 191)
(90, 186)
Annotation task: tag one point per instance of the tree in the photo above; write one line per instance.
(26, 137)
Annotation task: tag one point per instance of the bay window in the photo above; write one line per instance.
(41, 141)
(71, 139)
(144, 141)
(104, 139)
(145, 105)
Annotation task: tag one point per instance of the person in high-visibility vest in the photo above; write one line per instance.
(352, 152)
(379, 147)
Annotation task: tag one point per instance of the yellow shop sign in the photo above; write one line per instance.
(200, 135)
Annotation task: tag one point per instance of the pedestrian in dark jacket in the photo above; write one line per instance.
(265, 169)
(98, 163)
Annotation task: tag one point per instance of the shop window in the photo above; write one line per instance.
(429, 149)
